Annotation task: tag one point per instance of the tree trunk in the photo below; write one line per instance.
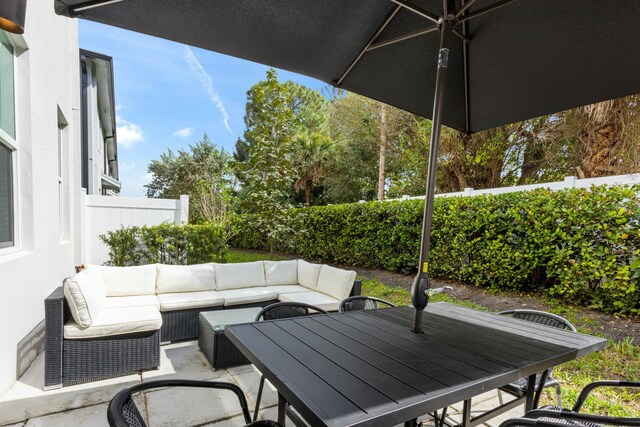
(307, 193)
(383, 151)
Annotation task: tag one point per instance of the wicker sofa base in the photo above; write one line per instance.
(180, 325)
(97, 359)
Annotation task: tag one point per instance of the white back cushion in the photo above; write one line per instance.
(335, 281)
(185, 278)
(85, 294)
(125, 281)
(281, 272)
(308, 274)
(239, 275)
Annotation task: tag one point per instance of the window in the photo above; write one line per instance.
(7, 143)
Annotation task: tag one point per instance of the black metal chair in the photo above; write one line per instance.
(361, 302)
(544, 379)
(282, 310)
(560, 417)
(122, 410)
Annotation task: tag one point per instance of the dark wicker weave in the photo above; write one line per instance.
(559, 417)
(181, 325)
(122, 410)
(77, 361)
(361, 302)
(545, 379)
(282, 310)
(219, 351)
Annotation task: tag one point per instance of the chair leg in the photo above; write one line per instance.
(500, 399)
(558, 394)
(258, 398)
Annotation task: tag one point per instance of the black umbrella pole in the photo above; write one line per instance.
(421, 284)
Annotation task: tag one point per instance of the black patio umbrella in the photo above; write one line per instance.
(469, 64)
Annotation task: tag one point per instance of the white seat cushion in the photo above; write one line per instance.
(281, 272)
(308, 274)
(239, 275)
(314, 298)
(116, 321)
(335, 281)
(185, 300)
(126, 281)
(185, 278)
(247, 295)
(287, 289)
(85, 294)
(132, 301)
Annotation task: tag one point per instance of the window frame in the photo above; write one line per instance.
(12, 143)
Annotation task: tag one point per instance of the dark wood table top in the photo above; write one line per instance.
(368, 368)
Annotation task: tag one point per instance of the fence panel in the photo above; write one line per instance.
(105, 213)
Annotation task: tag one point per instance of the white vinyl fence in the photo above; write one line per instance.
(105, 213)
(569, 182)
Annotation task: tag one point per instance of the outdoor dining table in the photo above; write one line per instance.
(367, 367)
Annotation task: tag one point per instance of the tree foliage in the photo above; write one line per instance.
(202, 173)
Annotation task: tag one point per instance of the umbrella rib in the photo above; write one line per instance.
(366, 47)
(418, 10)
(484, 10)
(464, 7)
(403, 37)
(90, 5)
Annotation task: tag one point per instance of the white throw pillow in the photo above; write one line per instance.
(85, 294)
(335, 281)
(239, 275)
(127, 281)
(281, 272)
(308, 274)
(185, 278)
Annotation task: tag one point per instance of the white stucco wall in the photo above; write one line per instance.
(47, 78)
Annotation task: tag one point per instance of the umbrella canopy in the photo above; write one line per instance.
(469, 64)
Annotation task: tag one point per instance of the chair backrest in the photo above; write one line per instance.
(286, 310)
(123, 412)
(542, 317)
(361, 302)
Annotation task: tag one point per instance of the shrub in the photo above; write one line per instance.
(166, 244)
(581, 244)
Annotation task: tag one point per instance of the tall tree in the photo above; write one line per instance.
(311, 153)
(382, 162)
(202, 173)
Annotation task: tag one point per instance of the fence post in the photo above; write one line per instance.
(184, 209)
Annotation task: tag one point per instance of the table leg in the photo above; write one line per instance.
(466, 413)
(282, 406)
(411, 423)
(531, 391)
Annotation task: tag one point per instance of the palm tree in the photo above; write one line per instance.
(311, 151)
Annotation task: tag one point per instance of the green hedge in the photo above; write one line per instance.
(579, 244)
(166, 244)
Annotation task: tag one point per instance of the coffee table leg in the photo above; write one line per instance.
(282, 406)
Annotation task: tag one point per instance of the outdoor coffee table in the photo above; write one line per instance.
(368, 368)
(217, 348)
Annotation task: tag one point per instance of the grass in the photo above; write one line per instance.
(620, 360)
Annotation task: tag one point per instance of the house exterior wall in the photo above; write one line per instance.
(47, 94)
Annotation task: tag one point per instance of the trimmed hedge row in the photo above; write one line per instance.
(579, 244)
(166, 244)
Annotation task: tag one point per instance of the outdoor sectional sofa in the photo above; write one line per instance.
(109, 321)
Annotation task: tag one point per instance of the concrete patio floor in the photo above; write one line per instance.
(85, 405)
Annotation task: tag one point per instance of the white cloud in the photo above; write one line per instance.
(184, 133)
(126, 167)
(207, 83)
(128, 133)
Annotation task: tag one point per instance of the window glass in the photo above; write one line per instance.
(7, 105)
(6, 197)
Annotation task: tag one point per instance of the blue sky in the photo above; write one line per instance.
(168, 95)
